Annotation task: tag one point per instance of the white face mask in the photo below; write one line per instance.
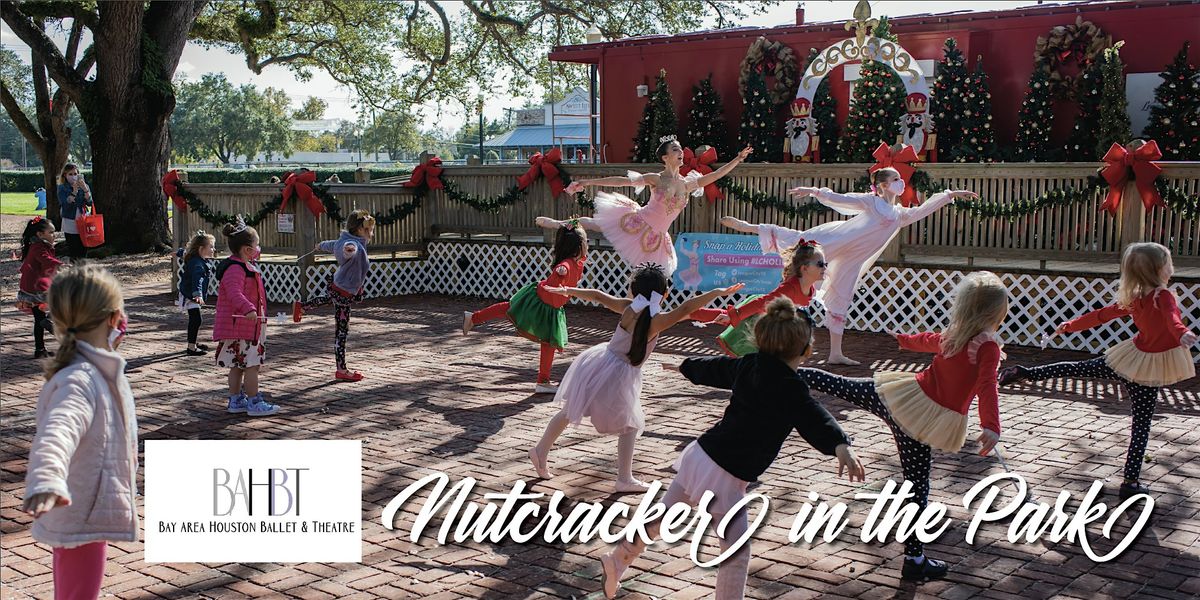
(112, 338)
(72, 178)
(896, 187)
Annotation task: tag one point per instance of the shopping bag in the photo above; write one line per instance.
(91, 229)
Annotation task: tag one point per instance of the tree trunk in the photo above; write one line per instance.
(129, 156)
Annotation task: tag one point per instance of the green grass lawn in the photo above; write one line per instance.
(18, 203)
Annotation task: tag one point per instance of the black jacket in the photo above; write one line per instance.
(769, 400)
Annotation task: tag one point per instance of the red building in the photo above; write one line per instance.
(1153, 33)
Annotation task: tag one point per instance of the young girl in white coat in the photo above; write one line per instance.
(853, 245)
(81, 484)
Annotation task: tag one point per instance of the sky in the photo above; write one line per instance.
(197, 61)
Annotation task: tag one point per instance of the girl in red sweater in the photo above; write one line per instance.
(1156, 356)
(929, 409)
(538, 314)
(38, 265)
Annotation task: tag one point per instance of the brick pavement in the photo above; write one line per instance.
(433, 400)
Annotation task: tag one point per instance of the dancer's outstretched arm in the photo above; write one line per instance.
(916, 213)
(666, 320)
(737, 224)
(725, 169)
(587, 223)
(614, 181)
(617, 305)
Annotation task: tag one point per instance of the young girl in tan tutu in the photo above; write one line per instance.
(1156, 356)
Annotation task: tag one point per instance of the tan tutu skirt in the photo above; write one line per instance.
(918, 415)
(1153, 369)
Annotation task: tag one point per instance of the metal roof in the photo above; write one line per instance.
(541, 136)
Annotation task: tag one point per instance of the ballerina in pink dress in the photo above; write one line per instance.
(639, 233)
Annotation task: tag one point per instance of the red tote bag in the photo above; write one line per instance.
(91, 229)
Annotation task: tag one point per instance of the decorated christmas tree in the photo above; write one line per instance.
(658, 120)
(949, 100)
(1175, 114)
(1114, 115)
(1081, 145)
(825, 114)
(978, 143)
(759, 126)
(1035, 119)
(706, 120)
(876, 108)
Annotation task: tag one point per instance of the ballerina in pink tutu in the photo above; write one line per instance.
(639, 233)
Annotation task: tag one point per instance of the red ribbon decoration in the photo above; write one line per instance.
(902, 162)
(427, 174)
(1116, 172)
(170, 186)
(544, 165)
(701, 163)
(299, 184)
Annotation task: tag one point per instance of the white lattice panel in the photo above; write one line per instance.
(889, 298)
(282, 281)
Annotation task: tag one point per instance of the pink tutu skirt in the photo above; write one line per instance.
(624, 225)
(604, 388)
(698, 473)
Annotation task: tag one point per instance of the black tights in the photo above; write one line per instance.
(1142, 400)
(916, 458)
(193, 325)
(41, 324)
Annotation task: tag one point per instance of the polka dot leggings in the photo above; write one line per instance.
(915, 458)
(341, 315)
(1143, 400)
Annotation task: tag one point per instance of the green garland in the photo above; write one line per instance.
(761, 200)
(1178, 200)
(218, 218)
(508, 198)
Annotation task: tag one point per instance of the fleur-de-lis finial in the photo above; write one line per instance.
(862, 25)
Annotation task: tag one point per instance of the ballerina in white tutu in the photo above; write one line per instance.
(639, 233)
(605, 382)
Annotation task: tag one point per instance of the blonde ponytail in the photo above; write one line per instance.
(980, 302)
(81, 298)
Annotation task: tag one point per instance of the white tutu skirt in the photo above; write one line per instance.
(698, 473)
(604, 388)
(636, 240)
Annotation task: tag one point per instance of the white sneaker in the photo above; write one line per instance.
(545, 388)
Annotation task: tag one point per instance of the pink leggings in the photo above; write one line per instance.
(79, 571)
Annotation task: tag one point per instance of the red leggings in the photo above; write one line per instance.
(79, 571)
(499, 311)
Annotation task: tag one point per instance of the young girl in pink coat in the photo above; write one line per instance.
(239, 328)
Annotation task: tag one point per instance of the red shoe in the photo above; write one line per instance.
(348, 376)
(297, 312)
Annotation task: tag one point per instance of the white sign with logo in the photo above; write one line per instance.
(285, 223)
(256, 501)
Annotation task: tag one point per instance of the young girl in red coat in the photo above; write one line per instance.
(1156, 356)
(805, 269)
(538, 314)
(239, 328)
(38, 265)
(929, 409)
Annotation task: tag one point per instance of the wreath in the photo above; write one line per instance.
(772, 59)
(1081, 42)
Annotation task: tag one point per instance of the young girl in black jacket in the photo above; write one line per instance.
(769, 401)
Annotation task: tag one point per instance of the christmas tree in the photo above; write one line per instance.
(706, 120)
(1175, 114)
(1114, 116)
(876, 108)
(1081, 145)
(759, 125)
(978, 143)
(948, 102)
(825, 114)
(658, 120)
(1035, 119)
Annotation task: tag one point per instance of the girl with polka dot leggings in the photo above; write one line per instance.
(1157, 356)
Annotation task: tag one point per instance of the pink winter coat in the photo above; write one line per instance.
(241, 291)
(85, 450)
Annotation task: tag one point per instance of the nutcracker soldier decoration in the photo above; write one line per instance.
(802, 142)
(916, 128)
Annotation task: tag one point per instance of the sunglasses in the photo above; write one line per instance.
(820, 264)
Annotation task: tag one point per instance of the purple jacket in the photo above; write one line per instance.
(241, 291)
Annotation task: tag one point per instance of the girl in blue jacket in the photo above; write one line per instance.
(193, 284)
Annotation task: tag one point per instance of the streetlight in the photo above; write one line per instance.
(479, 108)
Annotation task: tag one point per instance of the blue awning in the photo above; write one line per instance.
(542, 136)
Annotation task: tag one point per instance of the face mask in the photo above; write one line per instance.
(897, 187)
(255, 253)
(117, 333)
(72, 178)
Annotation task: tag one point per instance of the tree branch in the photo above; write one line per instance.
(308, 55)
(73, 41)
(43, 47)
(86, 62)
(19, 119)
(62, 10)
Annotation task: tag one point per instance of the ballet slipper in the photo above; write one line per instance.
(539, 464)
(612, 568)
(838, 359)
(467, 324)
(630, 487)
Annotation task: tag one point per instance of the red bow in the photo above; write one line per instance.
(170, 185)
(544, 165)
(701, 163)
(1116, 172)
(902, 162)
(299, 185)
(427, 174)
(804, 242)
